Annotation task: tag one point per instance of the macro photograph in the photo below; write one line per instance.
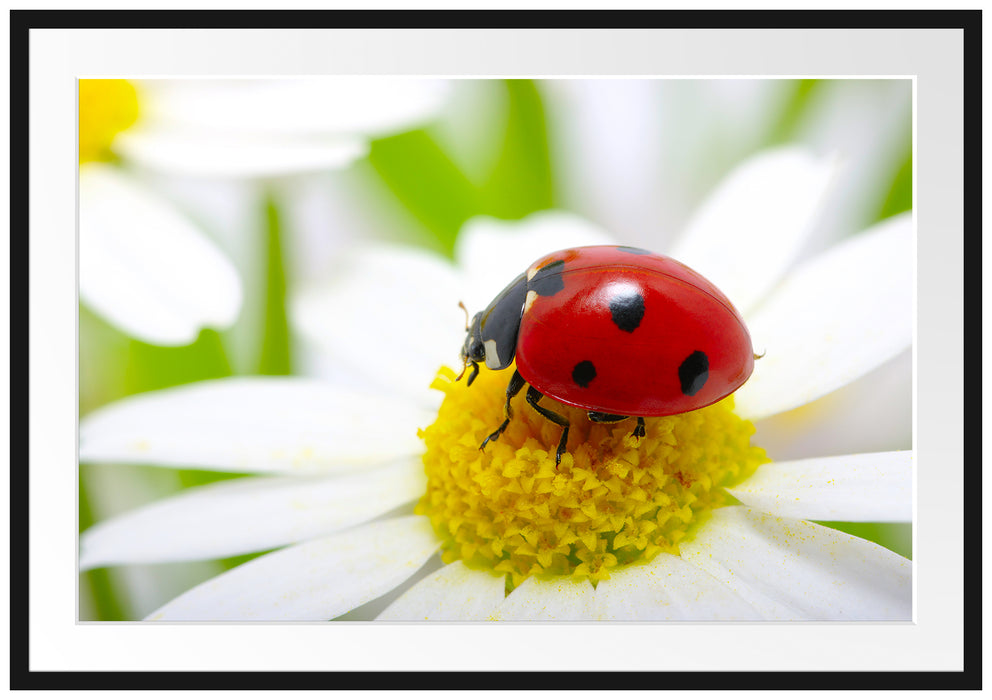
(404, 349)
(575, 349)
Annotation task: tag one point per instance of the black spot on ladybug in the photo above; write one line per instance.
(627, 309)
(633, 251)
(547, 281)
(584, 373)
(693, 372)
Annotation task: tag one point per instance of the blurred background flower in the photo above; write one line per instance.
(264, 185)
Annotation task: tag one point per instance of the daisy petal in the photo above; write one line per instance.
(145, 268)
(455, 592)
(317, 580)
(231, 155)
(492, 252)
(876, 487)
(551, 599)
(253, 424)
(325, 105)
(834, 319)
(873, 414)
(392, 314)
(750, 229)
(247, 515)
(796, 570)
(668, 588)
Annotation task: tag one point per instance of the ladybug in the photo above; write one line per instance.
(617, 331)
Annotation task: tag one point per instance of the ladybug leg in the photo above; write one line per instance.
(597, 417)
(512, 389)
(474, 374)
(533, 396)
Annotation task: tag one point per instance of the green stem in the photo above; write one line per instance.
(275, 356)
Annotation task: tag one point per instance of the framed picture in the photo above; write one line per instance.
(698, 411)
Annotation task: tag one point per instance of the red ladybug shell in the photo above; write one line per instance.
(625, 331)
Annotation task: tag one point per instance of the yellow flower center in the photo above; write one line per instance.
(614, 499)
(106, 108)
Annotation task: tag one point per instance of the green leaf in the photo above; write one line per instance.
(275, 358)
(900, 195)
(96, 585)
(427, 182)
(521, 181)
(897, 537)
(795, 109)
(151, 367)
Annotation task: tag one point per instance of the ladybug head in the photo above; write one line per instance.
(473, 350)
(491, 337)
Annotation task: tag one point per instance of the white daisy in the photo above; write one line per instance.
(652, 533)
(134, 245)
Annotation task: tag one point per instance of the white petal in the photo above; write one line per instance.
(556, 598)
(874, 487)
(253, 424)
(492, 252)
(266, 107)
(454, 592)
(668, 588)
(832, 320)
(317, 580)
(145, 268)
(871, 146)
(248, 515)
(748, 231)
(392, 313)
(796, 570)
(873, 414)
(234, 155)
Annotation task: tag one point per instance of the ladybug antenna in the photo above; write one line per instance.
(464, 358)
